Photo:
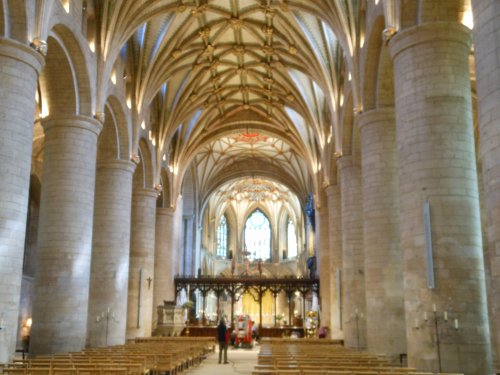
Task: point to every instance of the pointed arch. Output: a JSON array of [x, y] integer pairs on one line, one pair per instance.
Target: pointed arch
[[372, 59], [16, 27], [164, 198], [65, 82], [108, 146], [258, 235], [291, 238], [57, 81], [232, 226], [281, 225], [221, 249], [385, 80], [143, 175], [347, 118], [189, 193], [438, 11], [123, 126]]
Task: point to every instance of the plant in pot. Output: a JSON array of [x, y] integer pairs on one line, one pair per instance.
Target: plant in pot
[[279, 319]]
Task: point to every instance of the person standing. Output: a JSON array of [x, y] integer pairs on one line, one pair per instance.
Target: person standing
[[221, 337]]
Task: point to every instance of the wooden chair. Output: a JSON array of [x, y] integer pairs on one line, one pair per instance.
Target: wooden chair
[[63, 371], [14, 370], [88, 371], [314, 372], [114, 371], [40, 370]]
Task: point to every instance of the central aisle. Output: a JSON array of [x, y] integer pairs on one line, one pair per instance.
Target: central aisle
[[241, 361]]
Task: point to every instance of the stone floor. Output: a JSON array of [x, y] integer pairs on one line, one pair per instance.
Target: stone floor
[[241, 361]]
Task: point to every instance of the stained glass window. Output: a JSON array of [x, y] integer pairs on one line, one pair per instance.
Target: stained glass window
[[291, 239], [258, 236], [222, 238]]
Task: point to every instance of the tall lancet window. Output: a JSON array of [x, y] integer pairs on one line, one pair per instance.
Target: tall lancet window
[[222, 237], [258, 236], [291, 239]]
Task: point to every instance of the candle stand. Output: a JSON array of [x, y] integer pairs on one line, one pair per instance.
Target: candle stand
[[356, 317], [106, 317], [434, 323]]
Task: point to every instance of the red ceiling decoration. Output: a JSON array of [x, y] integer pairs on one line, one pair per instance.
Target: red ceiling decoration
[[250, 137]]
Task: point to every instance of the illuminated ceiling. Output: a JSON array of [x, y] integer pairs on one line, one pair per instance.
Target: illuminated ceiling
[[244, 195], [219, 155], [205, 71]]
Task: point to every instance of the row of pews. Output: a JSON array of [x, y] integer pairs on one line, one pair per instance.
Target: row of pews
[[322, 357], [143, 355]]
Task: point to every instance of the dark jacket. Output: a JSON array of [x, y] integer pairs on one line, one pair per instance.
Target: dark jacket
[[221, 332]]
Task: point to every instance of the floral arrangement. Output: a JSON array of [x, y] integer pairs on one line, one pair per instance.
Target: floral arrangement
[[280, 317], [188, 305]]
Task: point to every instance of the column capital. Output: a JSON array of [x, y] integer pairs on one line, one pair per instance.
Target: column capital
[[121, 164], [21, 52], [347, 161], [332, 190], [433, 32], [72, 121], [165, 211], [146, 192], [376, 115]]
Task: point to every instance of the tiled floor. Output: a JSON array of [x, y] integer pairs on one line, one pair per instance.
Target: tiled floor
[[241, 361]]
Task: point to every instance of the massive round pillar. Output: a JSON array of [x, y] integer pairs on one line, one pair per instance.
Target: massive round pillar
[[487, 51], [19, 68], [61, 288], [166, 254], [141, 270], [110, 253], [353, 281], [323, 249], [335, 242], [437, 167], [385, 327]]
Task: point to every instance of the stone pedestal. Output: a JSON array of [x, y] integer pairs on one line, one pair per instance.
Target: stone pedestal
[[385, 327], [353, 281], [487, 51], [335, 234], [170, 320], [437, 165], [141, 270], [110, 251], [60, 303], [19, 70]]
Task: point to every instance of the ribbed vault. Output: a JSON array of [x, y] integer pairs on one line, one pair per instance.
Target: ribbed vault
[[194, 66]]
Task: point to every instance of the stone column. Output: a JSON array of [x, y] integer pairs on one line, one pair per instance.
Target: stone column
[[385, 326], [353, 281], [141, 271], [335, 241], [323, 253], [187, 240], [61, 292], [19, 68], [110, 253], [487, 50], [437, 165], [166, 255], [178, 233]]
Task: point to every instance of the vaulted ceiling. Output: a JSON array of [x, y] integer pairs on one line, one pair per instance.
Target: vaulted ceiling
[[234, 83]]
